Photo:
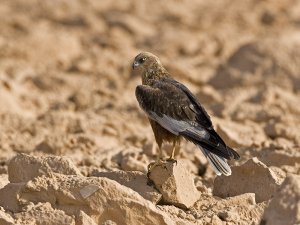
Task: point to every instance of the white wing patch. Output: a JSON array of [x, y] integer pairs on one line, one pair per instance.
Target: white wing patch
[[177, 126]]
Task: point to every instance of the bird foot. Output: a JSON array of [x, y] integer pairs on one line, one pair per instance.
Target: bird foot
[[152, 165], [172, 160]]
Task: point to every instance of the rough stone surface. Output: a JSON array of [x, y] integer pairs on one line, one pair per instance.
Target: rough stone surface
[[23, 168], [284, 208], [238, 135], [100, 198], [242, 208], [251, 177], [5, 218], [66, 89], [281, 157], [3, 180], [9, 196], [175, 184], [43, 213], [84, 219], [135, 180]]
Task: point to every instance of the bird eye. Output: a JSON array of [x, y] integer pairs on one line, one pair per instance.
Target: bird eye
[[142, 60]]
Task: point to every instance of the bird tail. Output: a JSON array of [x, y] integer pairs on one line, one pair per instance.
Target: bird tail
[[218, 163]]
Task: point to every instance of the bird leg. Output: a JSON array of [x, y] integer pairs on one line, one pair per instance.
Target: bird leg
[[172, 157], [159, 160]]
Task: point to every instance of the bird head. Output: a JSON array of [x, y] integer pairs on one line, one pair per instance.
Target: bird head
[[144, 60], [147, 65]]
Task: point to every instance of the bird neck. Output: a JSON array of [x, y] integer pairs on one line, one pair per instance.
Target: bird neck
[[156, 72]]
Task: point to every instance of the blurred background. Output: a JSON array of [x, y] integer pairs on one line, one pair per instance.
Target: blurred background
[[66, 88]]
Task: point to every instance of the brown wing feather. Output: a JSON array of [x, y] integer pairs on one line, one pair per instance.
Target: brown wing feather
[[163, 98]]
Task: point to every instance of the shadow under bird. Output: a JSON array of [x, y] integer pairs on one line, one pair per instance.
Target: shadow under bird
[[174, 112]]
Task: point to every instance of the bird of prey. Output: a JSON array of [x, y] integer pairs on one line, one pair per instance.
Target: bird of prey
[[174, 112]]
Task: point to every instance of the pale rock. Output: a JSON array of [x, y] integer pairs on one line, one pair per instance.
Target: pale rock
[[109, 222], [201, 187], [100, 198], [215, 220], [43, 213], [190, 166], [150, 149], [5, 218], [239, 135], [284, 208], [208, 94], [251, 177], [132, 159], [288, 130], [281, 157], [175, 184], [3, 180], [274, 130], [241, 208], [84, 219], [23, 168], [129, 23], [9, 196], [130, 163], [135, 180], [243, 199], [229, 216]]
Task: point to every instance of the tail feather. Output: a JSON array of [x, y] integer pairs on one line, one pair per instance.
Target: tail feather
[[218, 163], [209, 139], [234, 153]]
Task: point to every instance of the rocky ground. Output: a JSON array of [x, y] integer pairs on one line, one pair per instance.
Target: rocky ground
[[74, 145]]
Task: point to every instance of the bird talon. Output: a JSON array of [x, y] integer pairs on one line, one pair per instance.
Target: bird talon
[[152, 165]]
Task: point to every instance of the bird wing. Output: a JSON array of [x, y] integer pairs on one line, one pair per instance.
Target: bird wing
[[201, 115], [171, 107]]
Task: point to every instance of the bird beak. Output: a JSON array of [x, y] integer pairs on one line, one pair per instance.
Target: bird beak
[[134, 65]]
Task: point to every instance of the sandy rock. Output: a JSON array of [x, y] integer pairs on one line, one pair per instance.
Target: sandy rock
[[281, 157], [243, 199], [130, 163], [208, 95], [129, 23], [5, 218], [66, 89], [23, 168], [239, 135], [285, 130], [251, 177], [178, 215], [109, 222], [132, 159], [242, 208], [3, 180], [201, 186], [175, 183], [43, 213], [240, 67], [284, 208], [83, 219], [9, 196], [135, 180], [100, 198], [215, 220]]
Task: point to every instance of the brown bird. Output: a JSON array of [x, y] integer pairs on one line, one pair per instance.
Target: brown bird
[[174, 112]]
